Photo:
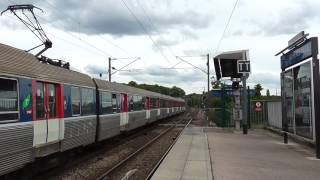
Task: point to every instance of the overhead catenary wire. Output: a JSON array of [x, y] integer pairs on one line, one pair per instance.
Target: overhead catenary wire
[[99, 36], [196, 67], [83, 41], [226, 27], [153, 25], [115, 45], [126, 65], [92, 46], [145, 30], [75, 44]]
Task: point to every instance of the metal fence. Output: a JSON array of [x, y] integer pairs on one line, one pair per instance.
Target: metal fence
[[221, 117], [275, 114], [258, 117], [269, 114]]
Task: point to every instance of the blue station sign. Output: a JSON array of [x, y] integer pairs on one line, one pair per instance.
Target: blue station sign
[[228, 93], [297, 55]]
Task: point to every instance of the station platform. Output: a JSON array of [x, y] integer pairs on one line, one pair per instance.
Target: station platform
[[213, 153]]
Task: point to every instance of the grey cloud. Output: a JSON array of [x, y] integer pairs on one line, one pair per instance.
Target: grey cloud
[[153, 74], [94, 69], [290, 20], [267, 80], [167, 42], [196, 52], [189, 34], [111, 17]]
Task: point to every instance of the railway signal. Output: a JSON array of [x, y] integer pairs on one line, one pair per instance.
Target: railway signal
[[236, 66]]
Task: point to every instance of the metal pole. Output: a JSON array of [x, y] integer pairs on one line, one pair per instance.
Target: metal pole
[[223, 104], [248, 111], [316, 86], [208, 73], [284, 109], [245, 106], [109, 69]]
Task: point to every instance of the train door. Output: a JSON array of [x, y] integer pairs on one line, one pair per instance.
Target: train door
[[124, 117], [47, 126]]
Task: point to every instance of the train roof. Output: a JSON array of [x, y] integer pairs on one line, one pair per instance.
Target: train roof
[[117, 87], [17, 62]]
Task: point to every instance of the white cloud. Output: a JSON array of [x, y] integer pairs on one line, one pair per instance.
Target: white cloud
[[188, 27]]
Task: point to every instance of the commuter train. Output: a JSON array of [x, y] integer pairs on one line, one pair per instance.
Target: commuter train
[[45, 109]]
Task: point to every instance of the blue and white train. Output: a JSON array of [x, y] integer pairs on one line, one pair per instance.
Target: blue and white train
[[46, 110]]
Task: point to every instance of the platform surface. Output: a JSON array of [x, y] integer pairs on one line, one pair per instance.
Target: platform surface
[[260, 155], [188, 159], [207, 153]]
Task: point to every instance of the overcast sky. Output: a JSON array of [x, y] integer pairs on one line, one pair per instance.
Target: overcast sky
[[86, 33]]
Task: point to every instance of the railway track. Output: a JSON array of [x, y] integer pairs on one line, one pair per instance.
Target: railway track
[[94, 163], [142, 163]]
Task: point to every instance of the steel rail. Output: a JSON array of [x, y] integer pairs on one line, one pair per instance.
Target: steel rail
[[105, 175]]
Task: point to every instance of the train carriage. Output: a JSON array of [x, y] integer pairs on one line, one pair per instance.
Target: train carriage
[[110, 109], [45, 109]]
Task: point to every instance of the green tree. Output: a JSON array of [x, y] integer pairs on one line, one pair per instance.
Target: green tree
[[177, 92], [174, 91], [133, 84], [194, 100], [258, 88], [268, 93], [216, 84]]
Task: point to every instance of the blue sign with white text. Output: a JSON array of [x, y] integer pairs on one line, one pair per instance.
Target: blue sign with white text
[[228, 93], [297, 55]]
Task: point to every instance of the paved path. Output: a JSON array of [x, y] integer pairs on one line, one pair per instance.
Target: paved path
[[260, 155]]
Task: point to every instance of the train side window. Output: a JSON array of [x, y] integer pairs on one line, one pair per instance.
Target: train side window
[[138, 103], [87, 101], [162, 103], [8, 100], [52, 100], [75, 100], [114, 103], [118, 103], [130, 100], [40, 105], [143, 102], [154, 103], [106, 103]]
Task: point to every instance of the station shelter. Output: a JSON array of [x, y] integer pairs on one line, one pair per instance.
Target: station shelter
[[300, 87]]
